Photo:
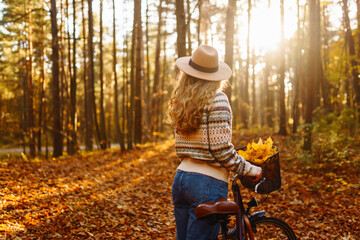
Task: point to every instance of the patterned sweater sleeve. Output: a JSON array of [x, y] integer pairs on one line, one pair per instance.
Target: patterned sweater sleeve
[[219, 124]]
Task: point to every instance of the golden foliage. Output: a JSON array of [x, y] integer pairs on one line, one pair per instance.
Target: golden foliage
[[257, 153]]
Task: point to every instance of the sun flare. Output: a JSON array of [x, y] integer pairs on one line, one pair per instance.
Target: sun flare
[[265, 25]]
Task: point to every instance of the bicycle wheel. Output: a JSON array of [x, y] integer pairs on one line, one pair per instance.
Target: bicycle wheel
[[271, 228]]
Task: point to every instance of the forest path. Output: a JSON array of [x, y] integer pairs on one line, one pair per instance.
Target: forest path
[[102, 195], [113, 195]]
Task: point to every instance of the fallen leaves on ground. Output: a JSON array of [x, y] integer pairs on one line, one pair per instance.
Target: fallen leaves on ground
[[114, 195], [104, 195]]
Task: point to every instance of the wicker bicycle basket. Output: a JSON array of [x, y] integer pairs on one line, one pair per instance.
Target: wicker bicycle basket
[[271, 173]]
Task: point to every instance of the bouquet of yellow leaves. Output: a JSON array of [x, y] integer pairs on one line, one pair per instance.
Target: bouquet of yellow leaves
[[257, 153]]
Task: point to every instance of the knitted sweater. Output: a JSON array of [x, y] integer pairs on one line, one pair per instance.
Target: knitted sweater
[[215, 126]]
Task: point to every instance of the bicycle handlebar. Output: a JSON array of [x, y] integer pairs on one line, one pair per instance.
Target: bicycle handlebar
[[236, 177], [261, 182]]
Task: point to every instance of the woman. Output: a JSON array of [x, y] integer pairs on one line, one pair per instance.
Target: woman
[[201, 116]]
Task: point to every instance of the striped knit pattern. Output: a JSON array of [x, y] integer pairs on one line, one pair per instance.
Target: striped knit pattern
[[215, 126]]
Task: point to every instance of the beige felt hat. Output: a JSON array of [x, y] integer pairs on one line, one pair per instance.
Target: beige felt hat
[[204, 64]]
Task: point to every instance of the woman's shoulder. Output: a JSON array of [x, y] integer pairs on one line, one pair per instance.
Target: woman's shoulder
[[220, 97], [220, 103]]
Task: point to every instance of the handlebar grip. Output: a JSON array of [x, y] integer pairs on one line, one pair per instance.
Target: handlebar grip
[[257, 185]]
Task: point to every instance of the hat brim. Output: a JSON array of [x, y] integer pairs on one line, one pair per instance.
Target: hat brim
[[223, 73]]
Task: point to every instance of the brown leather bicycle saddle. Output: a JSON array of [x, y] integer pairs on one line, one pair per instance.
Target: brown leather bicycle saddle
[[221, 206]]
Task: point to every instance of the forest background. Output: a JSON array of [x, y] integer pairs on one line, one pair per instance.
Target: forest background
[[85, 77], [77, 76]]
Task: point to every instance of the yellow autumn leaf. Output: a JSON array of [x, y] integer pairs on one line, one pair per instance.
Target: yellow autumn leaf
[[258, 152]]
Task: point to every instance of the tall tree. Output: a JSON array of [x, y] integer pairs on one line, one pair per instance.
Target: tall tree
[[254, 102], [91, 74], [147, 95], [358, 26], [163, 80], [282, 122], [42, 113], [73, 139], [317, 84], [102, 112], [269, 91], [229, 42], [313, 69], [125, 97], [130, 117], [325, 88], [88, 108], [57, 129], [304, 68], [69, 127], [296, 89], [139, 77], [199, 22], [63, 76], [352, 55], [155, 93], [245, 89], [188, 27], [30, 95], [180, 28], [119, 135]]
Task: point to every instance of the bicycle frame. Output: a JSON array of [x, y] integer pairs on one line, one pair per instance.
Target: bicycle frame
[[247, 225], [240, 217], [240, 225]]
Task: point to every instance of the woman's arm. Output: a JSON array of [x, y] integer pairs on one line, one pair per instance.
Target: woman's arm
[[219, 123]]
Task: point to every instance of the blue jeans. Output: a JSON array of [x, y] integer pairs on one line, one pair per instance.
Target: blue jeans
[[188, 191]]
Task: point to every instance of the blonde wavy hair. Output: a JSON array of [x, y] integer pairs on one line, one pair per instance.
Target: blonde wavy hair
[[188, 101]]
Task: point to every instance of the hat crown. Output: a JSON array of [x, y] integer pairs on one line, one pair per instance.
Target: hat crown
[[206, 56], [204, 64]]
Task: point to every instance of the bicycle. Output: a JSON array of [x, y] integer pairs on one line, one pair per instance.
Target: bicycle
[[256, 225]]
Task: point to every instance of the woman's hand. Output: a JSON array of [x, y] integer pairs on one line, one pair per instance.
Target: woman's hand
[[254, 173]]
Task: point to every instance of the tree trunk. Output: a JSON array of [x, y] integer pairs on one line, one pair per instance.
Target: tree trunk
[[229, 40], [303, 68], [57, 141], [68, 126], [139, 79], [180, 28], [245, 109], [30, 95], [63, 77], [352, 55], [297, 73], [358, 26], [199, 22], [317, 85], [254, 101], [91, 75], [164, 79], [126, 99], [42, 91], [324, 81], [282, 122], [88, 109], [23, 80], [73, 139], [269, 93], [119, 135], [188, 28], [313, 74], [155, 93], [130, 138], [147, 85], [102, 112]]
